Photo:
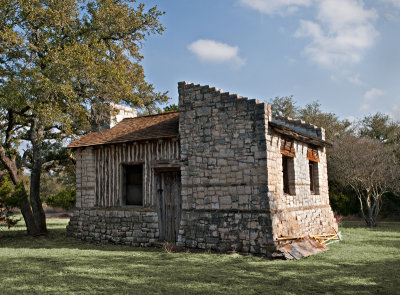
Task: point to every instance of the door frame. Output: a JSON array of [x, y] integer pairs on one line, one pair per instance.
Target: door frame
[[162, 215]]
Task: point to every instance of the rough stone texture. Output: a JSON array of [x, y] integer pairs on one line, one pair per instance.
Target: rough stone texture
[[85, 178], [302, 213], [225, 201], [133, 227], [221, 230], [232, 185]]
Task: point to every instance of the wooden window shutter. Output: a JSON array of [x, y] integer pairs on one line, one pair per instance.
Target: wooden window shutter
[[312, 154], [287, 147]]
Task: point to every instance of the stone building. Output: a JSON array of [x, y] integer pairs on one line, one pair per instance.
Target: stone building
[[222, 174]]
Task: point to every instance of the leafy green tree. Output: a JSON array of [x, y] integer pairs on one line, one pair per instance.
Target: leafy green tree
[[170, 108], [334, 127], [284, 106], [9, 198], [382, 128], [59, 58], [64, 199], [312, 113]]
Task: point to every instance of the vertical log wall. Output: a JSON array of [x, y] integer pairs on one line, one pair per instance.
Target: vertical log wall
[[109, 161], [100, 215]]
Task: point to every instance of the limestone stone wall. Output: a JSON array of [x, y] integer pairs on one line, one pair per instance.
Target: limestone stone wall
[[85, 178], [225, 201], [127, 226], [302, 213]]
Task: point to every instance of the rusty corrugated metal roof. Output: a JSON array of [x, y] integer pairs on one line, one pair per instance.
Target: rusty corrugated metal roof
[[133, 129]]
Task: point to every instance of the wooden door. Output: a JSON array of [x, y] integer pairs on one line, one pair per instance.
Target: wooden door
[[169, 203]]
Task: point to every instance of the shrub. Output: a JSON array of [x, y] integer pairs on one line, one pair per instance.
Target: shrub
[[64, 199], [10, 196], [169, 247]]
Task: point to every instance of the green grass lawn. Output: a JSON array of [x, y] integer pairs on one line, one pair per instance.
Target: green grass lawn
[[365, 262]]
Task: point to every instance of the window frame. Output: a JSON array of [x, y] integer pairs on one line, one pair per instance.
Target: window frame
[[313, 169], [125, 184], [288, 152], [288, 175], [311, 173], [285, 174]]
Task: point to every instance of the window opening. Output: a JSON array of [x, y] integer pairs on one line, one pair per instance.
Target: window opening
[[312, 178], [134, 185], [285, 174], [313, 159], [288, 175], [288, 153]]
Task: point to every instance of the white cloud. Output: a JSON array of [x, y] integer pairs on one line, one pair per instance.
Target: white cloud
[[355, 80], [364, 106], [373, 93], [216, 52], [334, 78], [343, 30], [290, 60], [281, 7], [395, 112], [351, 119], [370, 96], [395, 3], [392, 9]]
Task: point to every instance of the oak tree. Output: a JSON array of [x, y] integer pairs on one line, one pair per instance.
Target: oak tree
[[59, 58]]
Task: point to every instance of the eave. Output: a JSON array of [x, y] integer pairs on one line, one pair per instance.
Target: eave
[[300, 136]]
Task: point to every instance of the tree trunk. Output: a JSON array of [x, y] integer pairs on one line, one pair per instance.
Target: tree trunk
[[26, 211], [36, 134], [35, 200], [367, 213]]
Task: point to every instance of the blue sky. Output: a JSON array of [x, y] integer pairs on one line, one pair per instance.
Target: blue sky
[[343, 53]]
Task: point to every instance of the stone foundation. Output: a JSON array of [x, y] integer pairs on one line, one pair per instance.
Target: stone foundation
[[136, 227], [305, 221], [226, 231]]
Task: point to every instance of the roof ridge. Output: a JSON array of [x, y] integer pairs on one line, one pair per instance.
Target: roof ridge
[[153, 115], [146, 127]]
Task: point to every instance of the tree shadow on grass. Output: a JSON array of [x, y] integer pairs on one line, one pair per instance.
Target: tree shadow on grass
[[382, 226], [352, 224], [203, 274], [58, 239], [56, 264]]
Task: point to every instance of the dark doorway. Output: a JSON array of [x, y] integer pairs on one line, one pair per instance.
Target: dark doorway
[[168, 184], [134, 185]]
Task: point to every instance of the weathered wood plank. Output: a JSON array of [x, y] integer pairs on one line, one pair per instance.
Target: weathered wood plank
[[300, 136], [110, 171]]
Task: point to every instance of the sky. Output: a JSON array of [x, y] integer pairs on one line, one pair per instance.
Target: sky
[[345, 54]]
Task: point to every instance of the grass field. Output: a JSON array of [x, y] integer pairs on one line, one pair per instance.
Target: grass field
[[365, 262]]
